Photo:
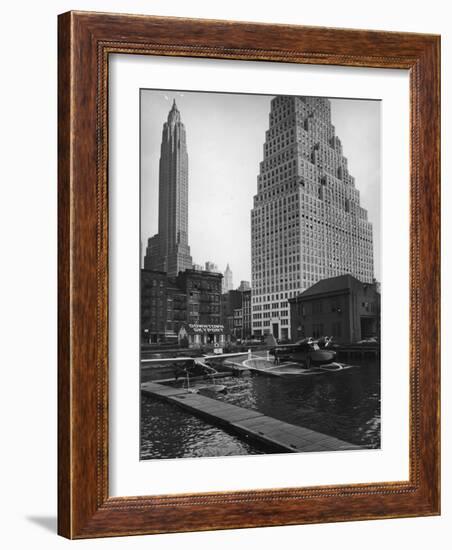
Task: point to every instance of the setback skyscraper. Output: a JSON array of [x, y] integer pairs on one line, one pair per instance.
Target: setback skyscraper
[[307, 223], [168, 251]]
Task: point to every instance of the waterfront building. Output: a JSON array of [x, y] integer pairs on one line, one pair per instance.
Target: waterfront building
[[197, 336], [227, 280], [307, 222], [342, 307], [168, 251], [167, 303]]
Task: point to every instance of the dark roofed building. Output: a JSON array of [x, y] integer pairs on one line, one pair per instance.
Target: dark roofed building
[[342, 307]]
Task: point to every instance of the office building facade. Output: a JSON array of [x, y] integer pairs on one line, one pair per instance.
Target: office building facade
[[307, 223]]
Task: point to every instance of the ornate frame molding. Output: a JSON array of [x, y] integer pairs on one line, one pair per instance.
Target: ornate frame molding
[[85, 42]]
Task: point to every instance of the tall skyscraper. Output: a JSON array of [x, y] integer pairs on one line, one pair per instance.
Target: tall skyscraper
[[227, 280], [306, 223], [168, 251]]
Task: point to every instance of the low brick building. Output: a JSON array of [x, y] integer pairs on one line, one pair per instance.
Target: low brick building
[[203, 295], [167, 303], [163, 307], [342, 307], [195, 335]]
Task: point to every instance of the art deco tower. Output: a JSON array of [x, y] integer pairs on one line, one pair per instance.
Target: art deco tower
[[307, 223], [168, 251]]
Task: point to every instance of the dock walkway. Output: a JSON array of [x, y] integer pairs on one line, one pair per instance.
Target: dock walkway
[[262, 428]]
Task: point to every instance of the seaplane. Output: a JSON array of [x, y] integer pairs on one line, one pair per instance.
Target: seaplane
[[187, 368], [306, 357]]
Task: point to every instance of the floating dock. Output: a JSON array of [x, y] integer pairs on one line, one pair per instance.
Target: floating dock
[[264, 429]]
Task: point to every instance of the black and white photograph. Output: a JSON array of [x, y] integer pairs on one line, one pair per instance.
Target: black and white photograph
[[260, 278], [225, 233]]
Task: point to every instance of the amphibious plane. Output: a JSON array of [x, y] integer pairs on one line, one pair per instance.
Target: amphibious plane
[[186, 367], [312, 355]]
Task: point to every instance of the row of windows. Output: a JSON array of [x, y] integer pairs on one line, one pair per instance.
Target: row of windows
[[266, 323]]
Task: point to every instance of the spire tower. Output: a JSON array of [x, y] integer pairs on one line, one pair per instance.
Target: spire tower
[[168, 251]]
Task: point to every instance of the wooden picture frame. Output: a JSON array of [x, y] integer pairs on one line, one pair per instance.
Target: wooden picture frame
[[85, 42]]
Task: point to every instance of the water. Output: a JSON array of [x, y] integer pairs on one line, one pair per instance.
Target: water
[[345, 405], [169, 432]]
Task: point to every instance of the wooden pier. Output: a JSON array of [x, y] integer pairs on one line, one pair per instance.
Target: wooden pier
[[264, 429]]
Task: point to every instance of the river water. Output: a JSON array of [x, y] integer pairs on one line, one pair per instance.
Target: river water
[[345, 405]]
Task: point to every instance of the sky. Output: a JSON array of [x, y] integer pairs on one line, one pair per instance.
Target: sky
[[225, 138]]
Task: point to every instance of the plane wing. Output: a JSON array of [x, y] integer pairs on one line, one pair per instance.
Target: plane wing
[[175, 359]]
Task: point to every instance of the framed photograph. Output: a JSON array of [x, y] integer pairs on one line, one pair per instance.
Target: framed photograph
[[248, 275]]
